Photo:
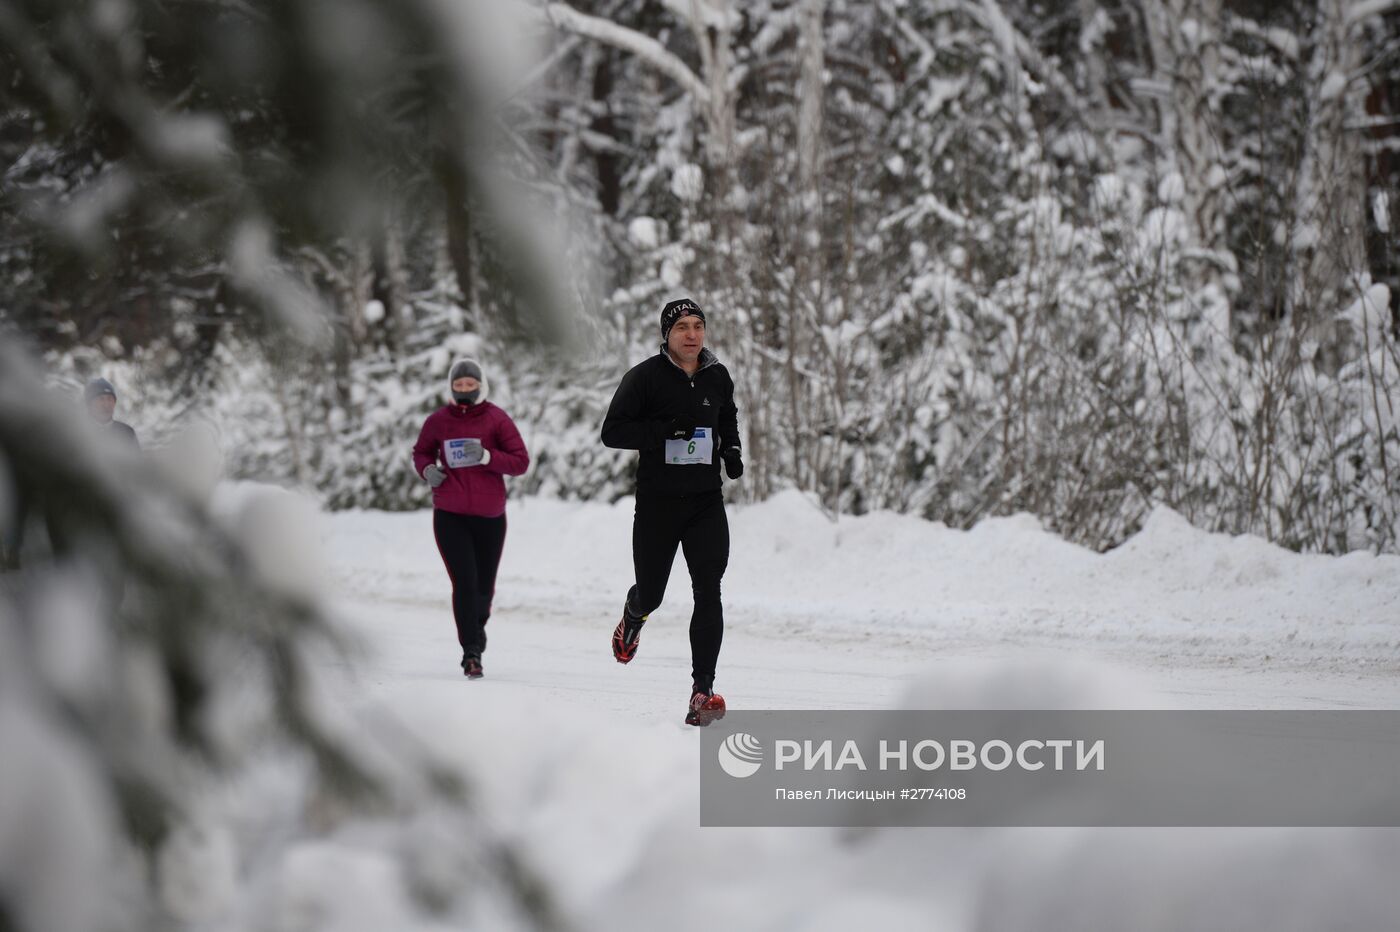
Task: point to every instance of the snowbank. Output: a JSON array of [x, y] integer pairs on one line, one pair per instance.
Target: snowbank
[[1208, 597]]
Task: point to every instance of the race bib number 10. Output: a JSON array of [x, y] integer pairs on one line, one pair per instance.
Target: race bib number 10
[[696, 451], [455, 452]]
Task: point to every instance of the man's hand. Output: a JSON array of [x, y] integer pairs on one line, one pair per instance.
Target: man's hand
[[682, 427], [733, 462], [433, 475]]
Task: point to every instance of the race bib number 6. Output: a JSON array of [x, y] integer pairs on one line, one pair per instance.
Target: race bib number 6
[[455, 452], [696, 451]]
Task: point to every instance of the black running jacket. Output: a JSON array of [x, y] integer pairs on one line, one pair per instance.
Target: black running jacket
[[656, 390]]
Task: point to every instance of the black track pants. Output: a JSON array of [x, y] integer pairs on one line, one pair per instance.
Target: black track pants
[[471, 550], [698, 524]]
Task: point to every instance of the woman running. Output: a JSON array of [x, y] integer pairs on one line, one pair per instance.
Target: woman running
[[464, 451]]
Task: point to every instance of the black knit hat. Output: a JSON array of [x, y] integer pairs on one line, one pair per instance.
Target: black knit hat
[[675, 311]]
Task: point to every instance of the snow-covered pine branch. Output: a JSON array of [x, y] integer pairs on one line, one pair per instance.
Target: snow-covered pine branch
[[565, 17], [1018, 49]]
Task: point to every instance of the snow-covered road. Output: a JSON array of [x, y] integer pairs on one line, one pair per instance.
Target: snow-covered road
[[849, 615], [584, 764]]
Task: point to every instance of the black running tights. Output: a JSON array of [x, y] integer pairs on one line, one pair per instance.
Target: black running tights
[[698, 525], [471, 550]]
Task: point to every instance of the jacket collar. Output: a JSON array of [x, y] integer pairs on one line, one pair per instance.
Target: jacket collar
[[707, 359], [472, 410]]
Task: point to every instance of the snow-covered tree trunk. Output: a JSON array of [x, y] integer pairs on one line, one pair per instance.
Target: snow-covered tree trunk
[[712, 25], [811, 88], [349, 283], [1093, 23], [359, 281], [1184, 37], [392, 285], [461, 251], [1329, 240], [812, 415]]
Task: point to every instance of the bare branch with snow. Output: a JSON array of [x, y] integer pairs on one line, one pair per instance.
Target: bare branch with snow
[[565, 17]]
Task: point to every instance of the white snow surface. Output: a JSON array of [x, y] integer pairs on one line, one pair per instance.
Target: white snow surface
[[585, 766]]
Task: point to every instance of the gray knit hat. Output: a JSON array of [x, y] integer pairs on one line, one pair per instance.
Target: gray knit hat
[[462, 369], [97, 388]]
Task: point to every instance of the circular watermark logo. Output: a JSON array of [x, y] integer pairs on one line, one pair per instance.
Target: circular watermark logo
[[740, 755]]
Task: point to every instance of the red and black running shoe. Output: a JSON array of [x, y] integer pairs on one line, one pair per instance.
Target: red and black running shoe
[[626, 636], [705, 707], [472, 668]]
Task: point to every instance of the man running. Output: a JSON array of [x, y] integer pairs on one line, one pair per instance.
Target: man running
[[677, 410]]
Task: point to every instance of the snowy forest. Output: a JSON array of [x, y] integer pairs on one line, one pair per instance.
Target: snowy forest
[[964, 258]]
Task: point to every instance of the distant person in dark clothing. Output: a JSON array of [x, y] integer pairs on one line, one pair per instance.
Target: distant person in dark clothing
[[101, 399]]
